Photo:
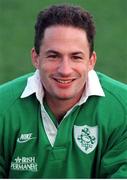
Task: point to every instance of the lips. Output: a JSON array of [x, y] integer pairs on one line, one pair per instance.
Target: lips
[[64, 83]]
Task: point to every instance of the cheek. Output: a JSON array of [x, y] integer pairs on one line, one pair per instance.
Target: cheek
[[83, 69], [84, 73], [46, 70], [47, 67]]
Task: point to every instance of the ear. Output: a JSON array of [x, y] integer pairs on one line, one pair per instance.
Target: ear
[[92, 61], [35, 58]]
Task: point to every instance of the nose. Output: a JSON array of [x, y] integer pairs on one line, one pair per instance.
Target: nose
[[65, 67]]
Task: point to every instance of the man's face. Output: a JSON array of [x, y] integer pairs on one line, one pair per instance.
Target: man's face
[[63, 62]]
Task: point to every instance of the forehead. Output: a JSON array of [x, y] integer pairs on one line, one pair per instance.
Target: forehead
[[65, 37], [60, 31]]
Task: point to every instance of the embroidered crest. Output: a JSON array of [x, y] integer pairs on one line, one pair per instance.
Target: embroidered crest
[[86, 137]]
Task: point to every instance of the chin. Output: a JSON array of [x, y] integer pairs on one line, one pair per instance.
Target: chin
[[65, 97]]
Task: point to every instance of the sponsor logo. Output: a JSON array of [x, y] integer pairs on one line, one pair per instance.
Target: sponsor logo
[[24, 164], [25, 138], [86, 137]]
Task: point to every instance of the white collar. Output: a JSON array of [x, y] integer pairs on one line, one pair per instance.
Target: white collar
[[93, 87], [34, 86]]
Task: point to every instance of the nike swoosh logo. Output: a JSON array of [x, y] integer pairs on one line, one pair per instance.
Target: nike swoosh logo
[[24, 140]]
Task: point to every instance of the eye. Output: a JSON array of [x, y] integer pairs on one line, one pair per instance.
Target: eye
[[53, 56], [76, 58]]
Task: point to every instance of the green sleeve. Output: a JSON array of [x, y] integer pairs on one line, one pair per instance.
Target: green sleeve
[[114, 160], [5, 147], [2, 166], [2, 155]]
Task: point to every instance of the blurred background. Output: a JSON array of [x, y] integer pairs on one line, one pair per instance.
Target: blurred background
[[17, 19]]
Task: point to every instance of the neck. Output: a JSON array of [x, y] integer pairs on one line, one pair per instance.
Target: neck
[[60, 107]]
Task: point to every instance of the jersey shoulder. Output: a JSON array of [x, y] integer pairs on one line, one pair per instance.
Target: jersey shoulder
[[113, 88], [11, 91], [112, 107], [115, 91]]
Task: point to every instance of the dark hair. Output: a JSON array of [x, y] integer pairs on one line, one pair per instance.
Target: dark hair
[[64, 15]]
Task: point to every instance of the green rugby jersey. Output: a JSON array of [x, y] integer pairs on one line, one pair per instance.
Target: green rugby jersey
[[91, 141]]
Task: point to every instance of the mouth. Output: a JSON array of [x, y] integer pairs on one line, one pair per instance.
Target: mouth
[[64, 81]]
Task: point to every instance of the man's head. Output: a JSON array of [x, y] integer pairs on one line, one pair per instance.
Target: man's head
[[67, 16], [63, 52]]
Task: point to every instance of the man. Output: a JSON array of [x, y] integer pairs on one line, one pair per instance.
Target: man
[[65, 120]]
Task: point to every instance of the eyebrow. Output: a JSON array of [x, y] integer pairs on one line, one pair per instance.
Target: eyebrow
[[52, 52], [77, 53], [72, 53]]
